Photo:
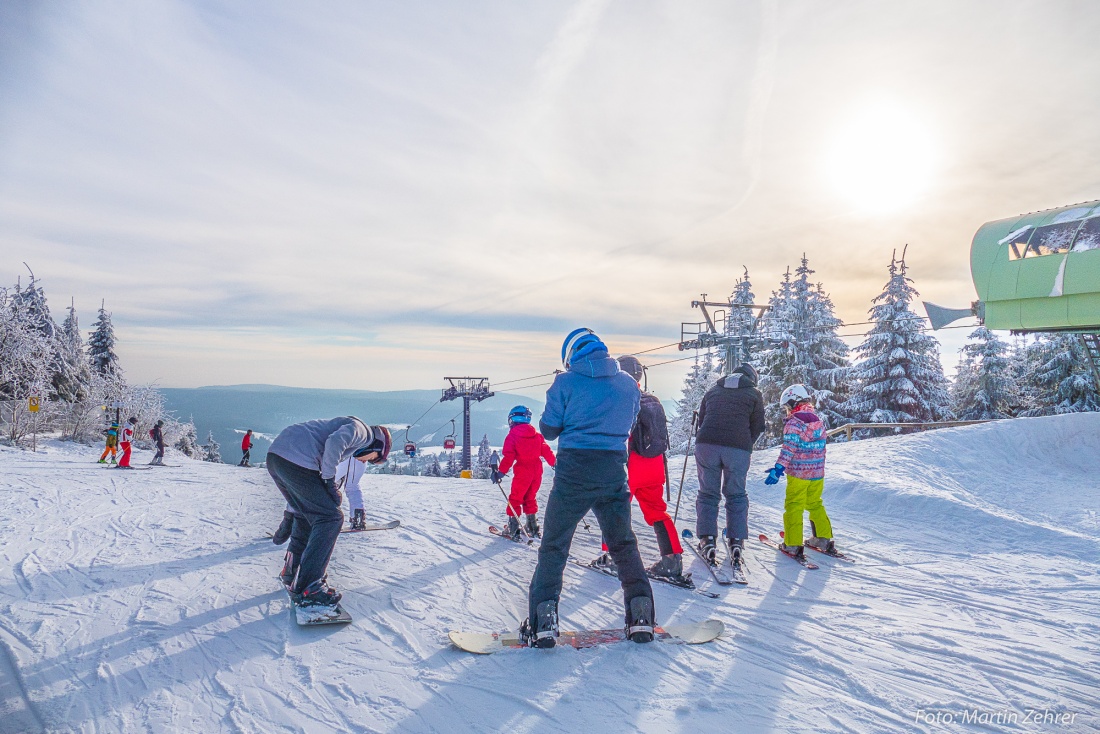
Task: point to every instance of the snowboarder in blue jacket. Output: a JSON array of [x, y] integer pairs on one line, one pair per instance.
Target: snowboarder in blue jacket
[[590, 409]]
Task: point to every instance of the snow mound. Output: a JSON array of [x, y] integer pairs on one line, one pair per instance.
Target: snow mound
[[146, 601]]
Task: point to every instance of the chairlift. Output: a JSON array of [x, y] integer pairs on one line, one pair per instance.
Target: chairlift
[[410, 449], [449, 441]]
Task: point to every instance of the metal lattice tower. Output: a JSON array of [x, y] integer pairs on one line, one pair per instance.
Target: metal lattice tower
[[735, 347], [467, 388]]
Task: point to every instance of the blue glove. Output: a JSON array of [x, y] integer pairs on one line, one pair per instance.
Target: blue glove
[[773, 474], [496, 476]]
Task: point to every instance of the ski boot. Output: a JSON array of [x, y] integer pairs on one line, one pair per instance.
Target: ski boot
[[669, 567], [736, 548], [102, 461], [513, 528], [533, 528], [358, 520], [796, 551], [544, 634], [606, 562], [639, 619], [290, 570], [318, 594], [707, 549], [282, 533], [825, 545]]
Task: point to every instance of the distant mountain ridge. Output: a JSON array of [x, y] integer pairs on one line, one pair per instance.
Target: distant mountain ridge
[[229, 410]]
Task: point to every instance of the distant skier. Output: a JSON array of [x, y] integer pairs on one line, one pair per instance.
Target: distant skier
[[112, 444], [731, 418], [646, 476], [348, 474], [246, 448], [590, 409], [525, 448], [802, 459], [157, 434], [302, 461], [126, 442]]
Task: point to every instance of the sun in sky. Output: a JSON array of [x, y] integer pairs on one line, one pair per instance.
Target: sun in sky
[[881, 158]]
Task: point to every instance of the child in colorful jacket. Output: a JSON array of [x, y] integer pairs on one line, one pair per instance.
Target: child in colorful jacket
[[802, 458], [112, 444], [525, 448]]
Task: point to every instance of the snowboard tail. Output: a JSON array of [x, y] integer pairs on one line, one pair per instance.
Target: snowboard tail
[[381, 526], [485, 643]]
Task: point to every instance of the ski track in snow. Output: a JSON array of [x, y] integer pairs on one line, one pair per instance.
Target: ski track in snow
[[146, 601]]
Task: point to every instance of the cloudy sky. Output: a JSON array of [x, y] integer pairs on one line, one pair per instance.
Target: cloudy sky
[[375, 195]]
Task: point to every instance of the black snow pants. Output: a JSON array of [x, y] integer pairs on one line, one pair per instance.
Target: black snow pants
[[317, 517]]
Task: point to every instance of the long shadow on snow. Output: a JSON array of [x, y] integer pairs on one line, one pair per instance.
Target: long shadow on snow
[[103, 577], [210, 654]]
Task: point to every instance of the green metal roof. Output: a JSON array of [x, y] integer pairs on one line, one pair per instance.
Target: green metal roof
[[1040, 271]]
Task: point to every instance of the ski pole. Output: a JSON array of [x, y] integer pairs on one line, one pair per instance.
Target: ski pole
[[494, 468], [683, 474]]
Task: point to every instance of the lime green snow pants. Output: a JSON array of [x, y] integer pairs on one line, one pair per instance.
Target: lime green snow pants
[[804, 495]]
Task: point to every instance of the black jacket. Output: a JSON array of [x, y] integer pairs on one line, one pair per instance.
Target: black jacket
[[731, 413]]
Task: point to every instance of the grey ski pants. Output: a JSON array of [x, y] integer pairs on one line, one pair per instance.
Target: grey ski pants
[[722, 471], [317, 517]]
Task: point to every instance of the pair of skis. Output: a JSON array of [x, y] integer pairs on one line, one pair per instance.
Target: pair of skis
[[728, 573], [802, 559]]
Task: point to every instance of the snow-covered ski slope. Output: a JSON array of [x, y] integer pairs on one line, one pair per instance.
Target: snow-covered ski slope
[[146, 601]]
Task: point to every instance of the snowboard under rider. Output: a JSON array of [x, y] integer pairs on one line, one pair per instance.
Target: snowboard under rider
[[731, 418], [802, 460], [112, 444], [646, 476], [302, 462], [524, 450], [590, 409]]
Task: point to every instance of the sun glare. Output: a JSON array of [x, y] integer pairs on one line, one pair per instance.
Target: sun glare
[[881, 159]]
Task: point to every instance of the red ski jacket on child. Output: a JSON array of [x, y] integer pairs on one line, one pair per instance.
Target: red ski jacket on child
[[524, 446]]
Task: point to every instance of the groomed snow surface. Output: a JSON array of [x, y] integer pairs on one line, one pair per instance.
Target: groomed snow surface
[[146, 601]]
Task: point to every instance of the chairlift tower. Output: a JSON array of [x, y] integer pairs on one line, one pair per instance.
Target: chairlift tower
[[713, 331], [467, 388]]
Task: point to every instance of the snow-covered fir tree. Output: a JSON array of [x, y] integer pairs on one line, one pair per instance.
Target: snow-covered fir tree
[[484, 454], [435, 470], [984, 388], [1060, 375], [739, 323], [802, 325], [899, 378], [101, 345], [700, 378], [212, 450], [73, 376], [452, 469]]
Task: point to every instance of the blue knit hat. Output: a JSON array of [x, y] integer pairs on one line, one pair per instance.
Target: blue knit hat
[[579, 343]]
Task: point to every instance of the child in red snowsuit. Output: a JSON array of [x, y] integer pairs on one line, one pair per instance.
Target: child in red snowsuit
[[525, 448]]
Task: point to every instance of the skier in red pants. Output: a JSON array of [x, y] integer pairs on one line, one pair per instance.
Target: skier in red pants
[[526, 448], [126, 443], [646, 476]]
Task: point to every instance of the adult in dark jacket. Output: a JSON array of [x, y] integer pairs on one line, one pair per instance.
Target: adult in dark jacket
[[157, 434], [302, 461], [590, 409], [731, 418]]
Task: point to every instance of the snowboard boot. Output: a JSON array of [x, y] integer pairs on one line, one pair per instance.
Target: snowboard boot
[[290, 570], [513, 528], [319, 594], [358, 520], [669, 567], [606, 562], [795, 550], [545, 631], [707, 549], [533, 528], [826, 545], [639, 620], [282, 533]]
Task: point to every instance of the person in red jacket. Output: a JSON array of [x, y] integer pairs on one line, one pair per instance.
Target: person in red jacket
[[525, 448], [646, 476], [246, 448], [126, 442]]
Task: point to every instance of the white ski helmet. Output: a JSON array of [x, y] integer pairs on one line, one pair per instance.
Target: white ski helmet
[[794, 396]]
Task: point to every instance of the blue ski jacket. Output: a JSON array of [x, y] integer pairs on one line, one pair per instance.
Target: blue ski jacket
[[592, 405]]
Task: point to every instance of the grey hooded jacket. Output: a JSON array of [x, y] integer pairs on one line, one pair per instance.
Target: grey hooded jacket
[[322, 444]]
